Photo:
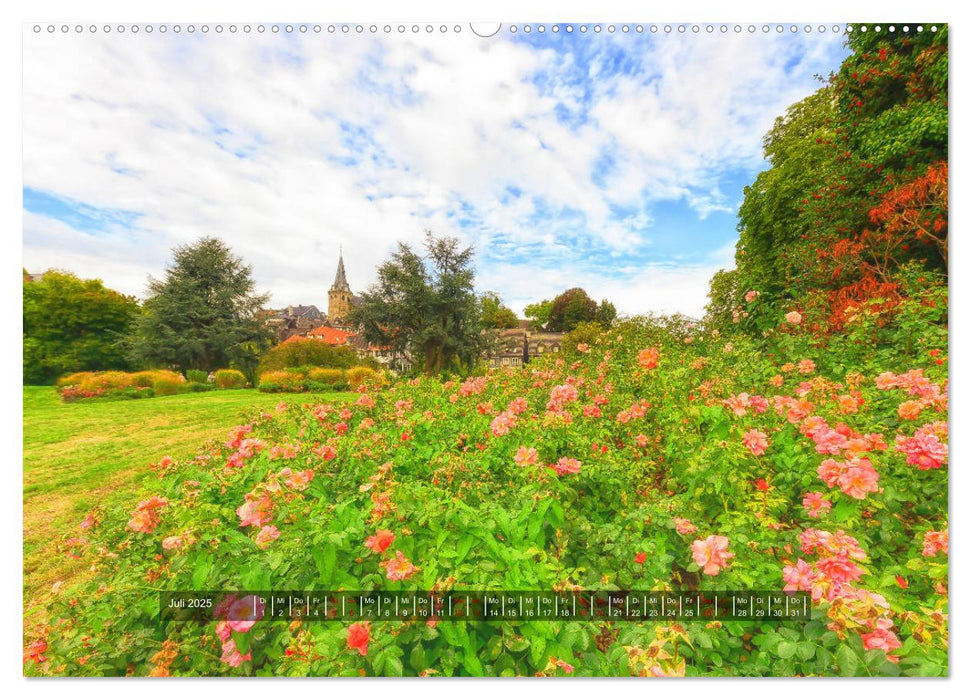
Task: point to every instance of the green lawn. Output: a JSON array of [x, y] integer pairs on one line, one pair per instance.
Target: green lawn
[[80, 454]]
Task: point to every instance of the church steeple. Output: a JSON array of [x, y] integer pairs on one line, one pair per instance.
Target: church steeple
[[340, 295], [340, 281]]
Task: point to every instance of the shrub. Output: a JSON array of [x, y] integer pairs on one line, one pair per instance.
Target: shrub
[[106, 381], [298, 352], [74, 379], [283, 380], [143, 379], [586, 334], [565, 469], [167, 387], [325, 375], [230, 379], [134, 392], [196, 387], [356, 376], [86, 385], [197, 375]]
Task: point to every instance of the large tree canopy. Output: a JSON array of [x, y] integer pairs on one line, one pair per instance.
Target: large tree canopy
[[857, 187], [539, 313], [203, 315], [73, 325], [574, 307], [495, 314], [425, 307]]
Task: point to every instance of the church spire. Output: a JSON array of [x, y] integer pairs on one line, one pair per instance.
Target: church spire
[[340, 281]]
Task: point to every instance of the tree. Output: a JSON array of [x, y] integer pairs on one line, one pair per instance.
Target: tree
[[857, 187], [570, 308], [425, 307], [73, 325], [539, 313], [495, 314], [606, 313], [303, 352], [585, 333], [724, 300], [203, 315]]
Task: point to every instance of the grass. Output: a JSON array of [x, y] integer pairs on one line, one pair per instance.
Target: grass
[[81, 454]]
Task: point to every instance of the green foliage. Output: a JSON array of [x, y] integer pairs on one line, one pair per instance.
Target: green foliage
[[73, 325], [771, 219], [724, 300], [230, 379], [319, 379], [539, 313], [606, 313], [326, 376], [197, 375], [425, 306], [198, 387], [494, 314], [574, 307], [666, 443], [301, 352], [203, 315], [586, 334], [569, 309], [813, 226]]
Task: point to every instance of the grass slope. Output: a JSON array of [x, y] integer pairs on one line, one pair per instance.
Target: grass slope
[[81, 454]]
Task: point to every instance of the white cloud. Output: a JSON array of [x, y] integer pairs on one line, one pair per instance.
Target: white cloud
[[153, 124]]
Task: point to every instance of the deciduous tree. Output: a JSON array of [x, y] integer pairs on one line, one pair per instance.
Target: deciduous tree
[[73, 325]]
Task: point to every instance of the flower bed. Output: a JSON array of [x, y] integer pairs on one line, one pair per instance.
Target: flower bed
[[661, 458], [136, 385], [319, 379]]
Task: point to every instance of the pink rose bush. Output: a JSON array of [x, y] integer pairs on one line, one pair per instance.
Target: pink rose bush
[[786, 461], [711, 554]]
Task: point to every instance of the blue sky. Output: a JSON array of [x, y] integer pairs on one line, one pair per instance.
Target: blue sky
[[615, 162]]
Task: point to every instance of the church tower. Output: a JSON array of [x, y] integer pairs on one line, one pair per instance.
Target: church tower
[[339, 297]]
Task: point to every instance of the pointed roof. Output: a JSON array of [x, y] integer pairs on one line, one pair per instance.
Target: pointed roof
[[340, 280]]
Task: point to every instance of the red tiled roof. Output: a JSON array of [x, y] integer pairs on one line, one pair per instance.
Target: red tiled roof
[[331, 336]]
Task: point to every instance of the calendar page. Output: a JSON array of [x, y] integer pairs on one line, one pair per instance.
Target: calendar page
[[425, 348]]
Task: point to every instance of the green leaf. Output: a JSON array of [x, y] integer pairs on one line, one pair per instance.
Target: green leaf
[[847, 661], [201, 570], [843, 511], [516, 643], [393, 667], [806, 650], [536, 649], [470, 662], [462, 548], [786, 650], [325, 557], [417, 658]]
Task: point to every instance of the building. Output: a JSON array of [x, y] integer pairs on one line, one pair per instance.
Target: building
[[340, 298], [292, 321], [331, 335], [511, 347], [514, 347]]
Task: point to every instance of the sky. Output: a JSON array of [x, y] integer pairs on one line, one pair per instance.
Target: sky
[[610, 161]]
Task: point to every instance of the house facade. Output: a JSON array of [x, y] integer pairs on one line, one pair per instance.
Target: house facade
[[515, 347]]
